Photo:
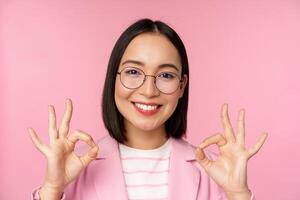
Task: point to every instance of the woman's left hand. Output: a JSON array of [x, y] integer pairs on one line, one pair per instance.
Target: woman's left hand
[[229, 170]]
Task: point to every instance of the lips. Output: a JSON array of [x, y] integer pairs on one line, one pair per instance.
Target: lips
[[146, 108]]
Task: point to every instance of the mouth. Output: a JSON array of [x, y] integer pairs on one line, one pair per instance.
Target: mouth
[[146, 108]]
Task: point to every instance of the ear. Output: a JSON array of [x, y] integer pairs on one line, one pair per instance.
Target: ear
[[183, 84]]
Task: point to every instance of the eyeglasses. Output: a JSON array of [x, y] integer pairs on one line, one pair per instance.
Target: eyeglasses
[[133, 78]]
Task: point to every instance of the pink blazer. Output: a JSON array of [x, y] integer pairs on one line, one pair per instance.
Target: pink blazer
[[103, 178]]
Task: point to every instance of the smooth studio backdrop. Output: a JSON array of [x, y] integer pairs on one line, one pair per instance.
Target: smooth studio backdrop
[[244, 53]]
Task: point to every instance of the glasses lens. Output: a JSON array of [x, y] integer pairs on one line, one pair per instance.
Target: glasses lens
[[167, 82], [132, 77]]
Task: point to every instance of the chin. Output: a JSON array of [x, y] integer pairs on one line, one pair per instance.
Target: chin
[[147, 126]]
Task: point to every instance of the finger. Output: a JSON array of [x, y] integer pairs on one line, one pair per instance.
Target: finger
[[36, 141], [253, 150], [89, 156], [217, 139], [52, 123], [240, 136], [80, 135], [202, 159], [65, 124], [228, 131]]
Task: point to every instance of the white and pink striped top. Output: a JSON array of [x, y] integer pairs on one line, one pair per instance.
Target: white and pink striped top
[[146, 172]]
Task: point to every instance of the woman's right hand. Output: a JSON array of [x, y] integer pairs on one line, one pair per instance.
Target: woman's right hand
[[63, 164]]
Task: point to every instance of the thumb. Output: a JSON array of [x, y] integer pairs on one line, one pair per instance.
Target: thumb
[[202, 158], [90, 156]]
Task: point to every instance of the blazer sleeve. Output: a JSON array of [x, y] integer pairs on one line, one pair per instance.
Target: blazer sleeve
[[36, 196]]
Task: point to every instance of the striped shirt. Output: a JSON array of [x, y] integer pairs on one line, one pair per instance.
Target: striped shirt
[[146, 172]]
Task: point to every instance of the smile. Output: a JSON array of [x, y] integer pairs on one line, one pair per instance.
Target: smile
[[146, 109]]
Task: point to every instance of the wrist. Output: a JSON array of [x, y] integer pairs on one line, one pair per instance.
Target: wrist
[[239, 195], [50, 193]]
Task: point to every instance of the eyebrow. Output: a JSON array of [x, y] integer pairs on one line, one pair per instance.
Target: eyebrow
[[159, 66]]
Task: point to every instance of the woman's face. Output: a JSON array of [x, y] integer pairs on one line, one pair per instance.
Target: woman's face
[[150, 51]]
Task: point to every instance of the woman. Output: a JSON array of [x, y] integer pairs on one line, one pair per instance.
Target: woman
[[145, 101]]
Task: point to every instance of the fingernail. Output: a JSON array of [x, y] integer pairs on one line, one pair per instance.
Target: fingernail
[[266, 134], [199, 154]]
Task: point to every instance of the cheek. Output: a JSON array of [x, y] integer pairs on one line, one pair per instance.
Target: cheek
[[172, 102], [121, 93]]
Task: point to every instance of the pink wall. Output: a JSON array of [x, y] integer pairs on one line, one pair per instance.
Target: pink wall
[[245, 53]]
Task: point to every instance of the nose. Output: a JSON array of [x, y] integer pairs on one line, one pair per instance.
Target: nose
[[148, 88]]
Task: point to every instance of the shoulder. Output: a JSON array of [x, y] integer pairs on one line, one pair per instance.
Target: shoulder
[[184, 145], [105, 140], [105, 143]]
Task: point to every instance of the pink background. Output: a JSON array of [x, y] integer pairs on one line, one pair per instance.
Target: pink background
[[245, 53]]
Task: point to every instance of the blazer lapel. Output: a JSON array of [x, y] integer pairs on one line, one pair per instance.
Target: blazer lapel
[[109, 180], [184, 177]]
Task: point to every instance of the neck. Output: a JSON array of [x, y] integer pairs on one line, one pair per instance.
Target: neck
[[141, 139]]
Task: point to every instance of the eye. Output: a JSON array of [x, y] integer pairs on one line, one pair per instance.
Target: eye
[[132, 71], [167, 75]]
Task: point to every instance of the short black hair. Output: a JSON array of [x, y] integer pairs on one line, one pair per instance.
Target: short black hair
[[176, 125]]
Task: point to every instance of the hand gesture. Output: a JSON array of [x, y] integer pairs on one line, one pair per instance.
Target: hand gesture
[[229, 170], [63, 164]]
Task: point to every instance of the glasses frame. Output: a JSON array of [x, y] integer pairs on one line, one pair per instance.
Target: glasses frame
[[145, 77]]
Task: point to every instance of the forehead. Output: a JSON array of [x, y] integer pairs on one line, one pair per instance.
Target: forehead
[[152, 49]]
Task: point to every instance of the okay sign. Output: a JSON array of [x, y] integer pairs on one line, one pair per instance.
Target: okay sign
[[229, 170], [63, 164]]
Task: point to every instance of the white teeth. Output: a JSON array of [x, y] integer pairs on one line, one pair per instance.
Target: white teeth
[[145, 107]]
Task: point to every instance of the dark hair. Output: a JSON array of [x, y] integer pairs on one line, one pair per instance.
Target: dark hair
[[113, 120]]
